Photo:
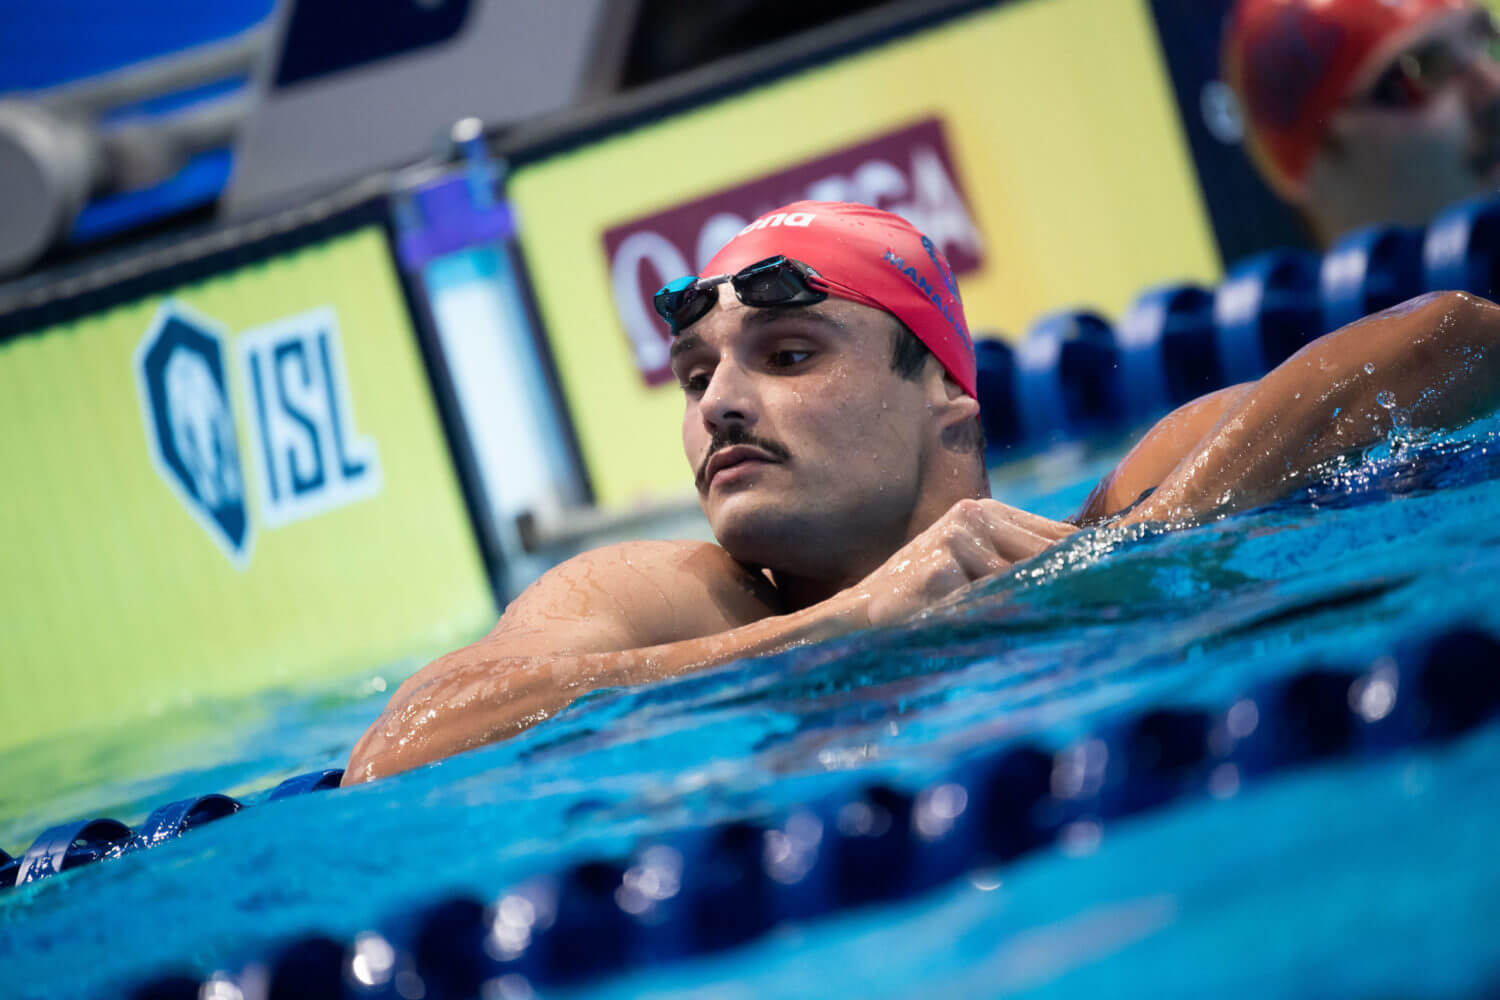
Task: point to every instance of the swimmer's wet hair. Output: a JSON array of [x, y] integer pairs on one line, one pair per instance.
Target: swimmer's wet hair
[[908, 354], [908, 357]]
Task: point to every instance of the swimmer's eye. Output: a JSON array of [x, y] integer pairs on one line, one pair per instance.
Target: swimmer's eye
[[694, 385], [789, 358]]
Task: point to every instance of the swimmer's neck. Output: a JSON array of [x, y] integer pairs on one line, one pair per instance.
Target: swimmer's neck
[[801, 583], [799, 592]]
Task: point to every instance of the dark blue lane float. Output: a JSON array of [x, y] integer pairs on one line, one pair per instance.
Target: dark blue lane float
[[702, 890], [1266, 309], [995, 383], [312, 781], [176, 818], [1369, 270], [1462, 249], [1067, 382], [1168, 350], [82, 842], [72, 845]]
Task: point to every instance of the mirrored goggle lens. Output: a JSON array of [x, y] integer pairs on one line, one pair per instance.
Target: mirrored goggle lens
[[776, 281], [668, 298], [683, 302]]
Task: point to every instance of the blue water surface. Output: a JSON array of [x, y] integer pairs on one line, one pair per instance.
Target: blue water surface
[[1372, 876]]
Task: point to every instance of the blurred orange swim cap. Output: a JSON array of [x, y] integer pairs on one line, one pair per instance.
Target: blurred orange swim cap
[[1292, 62]]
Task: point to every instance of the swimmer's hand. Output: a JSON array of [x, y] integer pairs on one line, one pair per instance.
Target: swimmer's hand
[[975, 539]]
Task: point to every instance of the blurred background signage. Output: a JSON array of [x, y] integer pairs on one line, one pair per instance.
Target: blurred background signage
[[222, 477]]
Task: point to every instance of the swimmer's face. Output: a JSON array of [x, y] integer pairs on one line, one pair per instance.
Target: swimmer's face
[[805, 446], [1422, 128]]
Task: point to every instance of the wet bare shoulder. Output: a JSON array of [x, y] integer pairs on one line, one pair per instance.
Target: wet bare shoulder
[[634, 594]]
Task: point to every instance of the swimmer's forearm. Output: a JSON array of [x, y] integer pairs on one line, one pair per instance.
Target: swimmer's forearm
[[1157, 453], [481, 694], [1437, 363]]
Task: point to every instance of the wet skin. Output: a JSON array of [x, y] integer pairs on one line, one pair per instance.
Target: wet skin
[[857, 510]]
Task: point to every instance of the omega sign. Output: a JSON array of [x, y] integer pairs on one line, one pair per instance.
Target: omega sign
[[908, 172]]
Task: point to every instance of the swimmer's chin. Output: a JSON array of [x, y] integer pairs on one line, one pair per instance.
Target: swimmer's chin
[[760, 541]]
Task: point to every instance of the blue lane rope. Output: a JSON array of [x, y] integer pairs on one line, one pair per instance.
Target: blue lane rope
[[174, 819], [706, 889], [72, 845], [82, 842], [313, 781], [1074, 374]]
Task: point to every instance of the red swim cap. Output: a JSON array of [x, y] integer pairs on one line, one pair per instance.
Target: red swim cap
[[1293, 62], [870, 257]]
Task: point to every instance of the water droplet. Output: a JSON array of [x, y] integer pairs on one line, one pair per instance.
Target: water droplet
[[1369, 368], [1386, 398]]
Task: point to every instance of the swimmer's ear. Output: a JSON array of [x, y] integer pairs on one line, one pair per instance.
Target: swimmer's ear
[[949, 401]]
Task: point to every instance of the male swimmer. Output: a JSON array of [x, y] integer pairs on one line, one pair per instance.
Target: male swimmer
[[1368, 111], [831, 423]]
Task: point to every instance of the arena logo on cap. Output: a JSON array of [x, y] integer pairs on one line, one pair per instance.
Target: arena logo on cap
[[908, 171], [298, 420], [780, 219]]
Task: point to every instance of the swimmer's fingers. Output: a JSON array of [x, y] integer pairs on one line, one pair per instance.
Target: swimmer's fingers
[[1008, 536], [1016, 544], [1034, 523], [976, 556]]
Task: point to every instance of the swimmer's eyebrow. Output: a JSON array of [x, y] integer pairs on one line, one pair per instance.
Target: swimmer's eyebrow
[[682, 344], [775, 314], [754, 319]]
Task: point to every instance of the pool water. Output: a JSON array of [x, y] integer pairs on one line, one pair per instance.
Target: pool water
[[1370, 876]]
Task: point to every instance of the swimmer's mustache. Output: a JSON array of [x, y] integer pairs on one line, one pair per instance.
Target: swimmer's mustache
[[734, 434]]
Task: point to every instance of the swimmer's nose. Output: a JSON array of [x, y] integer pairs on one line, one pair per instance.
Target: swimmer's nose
[[729, 398]]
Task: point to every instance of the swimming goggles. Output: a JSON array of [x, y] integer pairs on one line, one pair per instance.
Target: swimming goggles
[[1415, 75], [775, 281]]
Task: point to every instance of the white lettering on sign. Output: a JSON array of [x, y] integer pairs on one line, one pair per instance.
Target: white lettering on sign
[[309, 456], [641, 321]]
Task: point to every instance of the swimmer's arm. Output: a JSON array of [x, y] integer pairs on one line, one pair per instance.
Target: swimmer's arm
[[625, 615], [1437, 356], [1157, 453], [645, 611]]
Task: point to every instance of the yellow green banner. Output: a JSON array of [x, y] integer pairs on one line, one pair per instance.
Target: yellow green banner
[[243, 482]]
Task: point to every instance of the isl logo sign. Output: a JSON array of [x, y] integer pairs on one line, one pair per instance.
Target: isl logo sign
[[297, 414]]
